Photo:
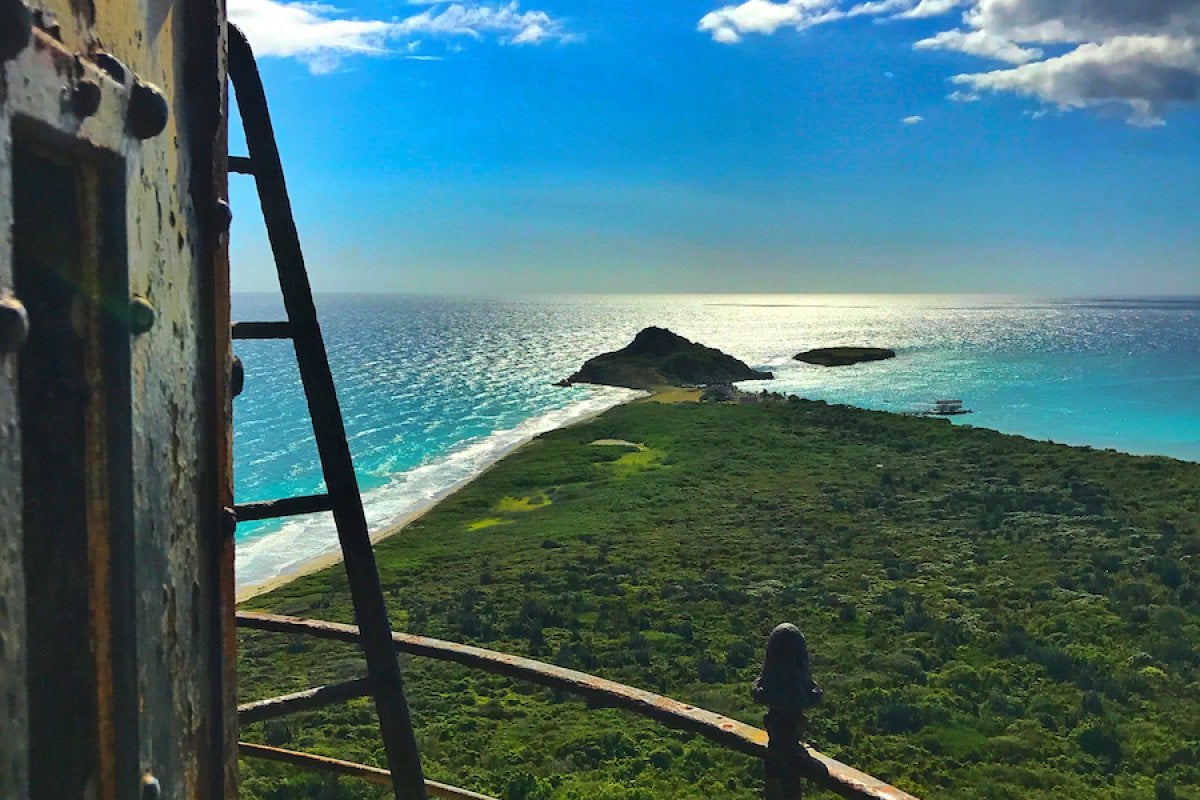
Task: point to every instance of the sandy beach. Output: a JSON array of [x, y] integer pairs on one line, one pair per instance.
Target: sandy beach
[[333, 555], [328, 559]]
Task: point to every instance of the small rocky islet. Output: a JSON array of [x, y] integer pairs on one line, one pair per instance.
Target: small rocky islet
[[844, 356], [658, 357]]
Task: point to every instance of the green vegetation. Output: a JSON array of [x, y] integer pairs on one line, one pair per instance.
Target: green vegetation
[[487, 522], [989, 617], [518, 505]]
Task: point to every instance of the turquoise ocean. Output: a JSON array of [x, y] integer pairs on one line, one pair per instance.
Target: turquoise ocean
[[436, 389]]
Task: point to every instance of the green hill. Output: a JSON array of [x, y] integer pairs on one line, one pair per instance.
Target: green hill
[[657, 357], [989, 616]]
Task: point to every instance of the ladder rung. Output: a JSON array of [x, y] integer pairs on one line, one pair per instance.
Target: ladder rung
[[286, 507], [262, 330], [241, 165]]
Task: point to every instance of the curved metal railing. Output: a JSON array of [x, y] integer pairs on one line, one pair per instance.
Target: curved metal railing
[[784, 763]]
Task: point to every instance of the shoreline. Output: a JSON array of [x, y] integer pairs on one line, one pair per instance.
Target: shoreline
[[332, 556]]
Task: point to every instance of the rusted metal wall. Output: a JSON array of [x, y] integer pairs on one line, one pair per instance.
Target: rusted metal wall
[[90, 86]]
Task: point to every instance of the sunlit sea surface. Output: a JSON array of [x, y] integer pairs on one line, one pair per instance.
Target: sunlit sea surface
[[435, 389]]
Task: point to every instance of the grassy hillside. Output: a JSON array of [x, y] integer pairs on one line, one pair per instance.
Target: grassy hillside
[[990, 617]]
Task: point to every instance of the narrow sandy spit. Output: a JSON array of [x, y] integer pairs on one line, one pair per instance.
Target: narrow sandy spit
[[328, 559]]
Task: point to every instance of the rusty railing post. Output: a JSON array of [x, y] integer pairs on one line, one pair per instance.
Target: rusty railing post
[[786, 688]]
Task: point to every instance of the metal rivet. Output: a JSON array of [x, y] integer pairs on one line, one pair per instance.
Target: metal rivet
[[85, 98], [16, 28], [237, 377], [223, 215], [14, 324], [141, 315], [151, 788], [111, 65], [148, 110]]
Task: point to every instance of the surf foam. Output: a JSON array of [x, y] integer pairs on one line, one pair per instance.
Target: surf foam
[[270, 555]]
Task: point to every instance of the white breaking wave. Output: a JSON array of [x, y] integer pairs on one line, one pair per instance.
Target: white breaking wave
[[270, 555]]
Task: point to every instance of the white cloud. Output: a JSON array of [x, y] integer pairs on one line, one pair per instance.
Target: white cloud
[[980, 43], [1140, 54], [915, 119], [508, 22], [878, 7], [1084, 20], [320, 35], [1144, 73], [729, 24], [305, 29], [932, 8]]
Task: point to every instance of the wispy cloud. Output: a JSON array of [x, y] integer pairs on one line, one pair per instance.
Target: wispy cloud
[[959, 96], [1143, 56], [322, 35], [915, 119], [980, 43]]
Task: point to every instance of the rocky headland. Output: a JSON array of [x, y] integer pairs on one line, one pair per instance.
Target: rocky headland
[[843, 356], [658, 357]]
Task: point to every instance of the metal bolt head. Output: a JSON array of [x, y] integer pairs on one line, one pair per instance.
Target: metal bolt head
[[141, 315], [223, 215], [14, 324], [111, 65], [148, 111], [151, 788], [16, 28], [237, 377], [85, 98]]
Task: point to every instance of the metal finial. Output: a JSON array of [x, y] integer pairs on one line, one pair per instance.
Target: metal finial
[[786, 688], [786, 681]]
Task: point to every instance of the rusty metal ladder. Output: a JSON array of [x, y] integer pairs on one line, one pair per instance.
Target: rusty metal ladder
[[342, 496]]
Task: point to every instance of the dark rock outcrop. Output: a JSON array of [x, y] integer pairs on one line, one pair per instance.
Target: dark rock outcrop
[[657, 357], [842, 356]]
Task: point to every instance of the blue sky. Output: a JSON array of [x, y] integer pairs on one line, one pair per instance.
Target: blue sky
[[1047, 147]]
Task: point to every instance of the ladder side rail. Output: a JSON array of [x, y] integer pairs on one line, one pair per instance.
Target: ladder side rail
[[341, 483]]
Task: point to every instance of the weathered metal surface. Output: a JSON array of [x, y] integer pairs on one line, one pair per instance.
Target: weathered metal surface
[[161, 689], [68, 403], [370, 608], [205, 81], [787, 688], [307, 700], [338, 767], [14, 733], [285, 507], [820, 769]]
